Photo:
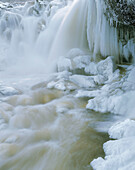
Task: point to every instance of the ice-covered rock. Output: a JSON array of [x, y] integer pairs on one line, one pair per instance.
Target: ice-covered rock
[[102, 71], [91, 68], [106, 67], [64, 64], [80, 62], [120, 154], [74, 53], [8, 91], [117, 95], [122, 129], [74, 59], [58, 85], [89, 94], [82, 81], [118, 103]]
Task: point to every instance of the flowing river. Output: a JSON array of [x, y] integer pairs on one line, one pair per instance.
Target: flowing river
[[48, 129]]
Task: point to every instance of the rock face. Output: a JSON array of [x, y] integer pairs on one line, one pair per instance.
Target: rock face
[[121, 15], [123, 11], [109, 31]]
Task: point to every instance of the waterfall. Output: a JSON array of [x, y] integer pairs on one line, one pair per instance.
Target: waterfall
[[41, 33], [72, 31]]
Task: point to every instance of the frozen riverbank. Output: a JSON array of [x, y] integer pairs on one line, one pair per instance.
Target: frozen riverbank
[[112, 90]]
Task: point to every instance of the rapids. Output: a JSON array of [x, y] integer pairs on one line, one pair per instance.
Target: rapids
[[48, 129]]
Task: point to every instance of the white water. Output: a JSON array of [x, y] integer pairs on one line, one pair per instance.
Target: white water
[[55, 30], [44, 123]]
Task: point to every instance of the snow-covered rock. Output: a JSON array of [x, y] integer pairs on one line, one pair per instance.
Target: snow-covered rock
[[8, 91], [106, 67], [122, 129], [64, 64], [116, 102], [120, 154], [83, 81]]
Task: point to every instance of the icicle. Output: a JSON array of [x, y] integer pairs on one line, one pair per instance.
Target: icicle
[[103, 37]]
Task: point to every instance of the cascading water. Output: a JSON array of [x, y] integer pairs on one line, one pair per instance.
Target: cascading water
[[44, 123], [46, 37], [73, 25]]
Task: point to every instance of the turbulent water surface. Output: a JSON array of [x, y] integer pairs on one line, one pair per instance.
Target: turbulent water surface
[[48, 129]]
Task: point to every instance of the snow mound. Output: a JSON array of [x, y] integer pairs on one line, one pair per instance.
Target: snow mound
[[120, 154]]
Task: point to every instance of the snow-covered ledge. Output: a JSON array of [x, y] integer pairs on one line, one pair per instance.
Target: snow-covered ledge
[[120, 153]]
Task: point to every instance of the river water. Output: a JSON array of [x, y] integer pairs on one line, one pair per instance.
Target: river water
[[48, 129]]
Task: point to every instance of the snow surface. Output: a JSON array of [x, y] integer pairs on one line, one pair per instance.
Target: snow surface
[[120, 153]]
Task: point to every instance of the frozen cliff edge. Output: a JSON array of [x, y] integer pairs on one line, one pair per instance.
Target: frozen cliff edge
[[110, 31]]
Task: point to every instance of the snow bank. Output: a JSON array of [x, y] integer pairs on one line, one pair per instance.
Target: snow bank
[[110, 88], [116, 97], [120, 154]]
